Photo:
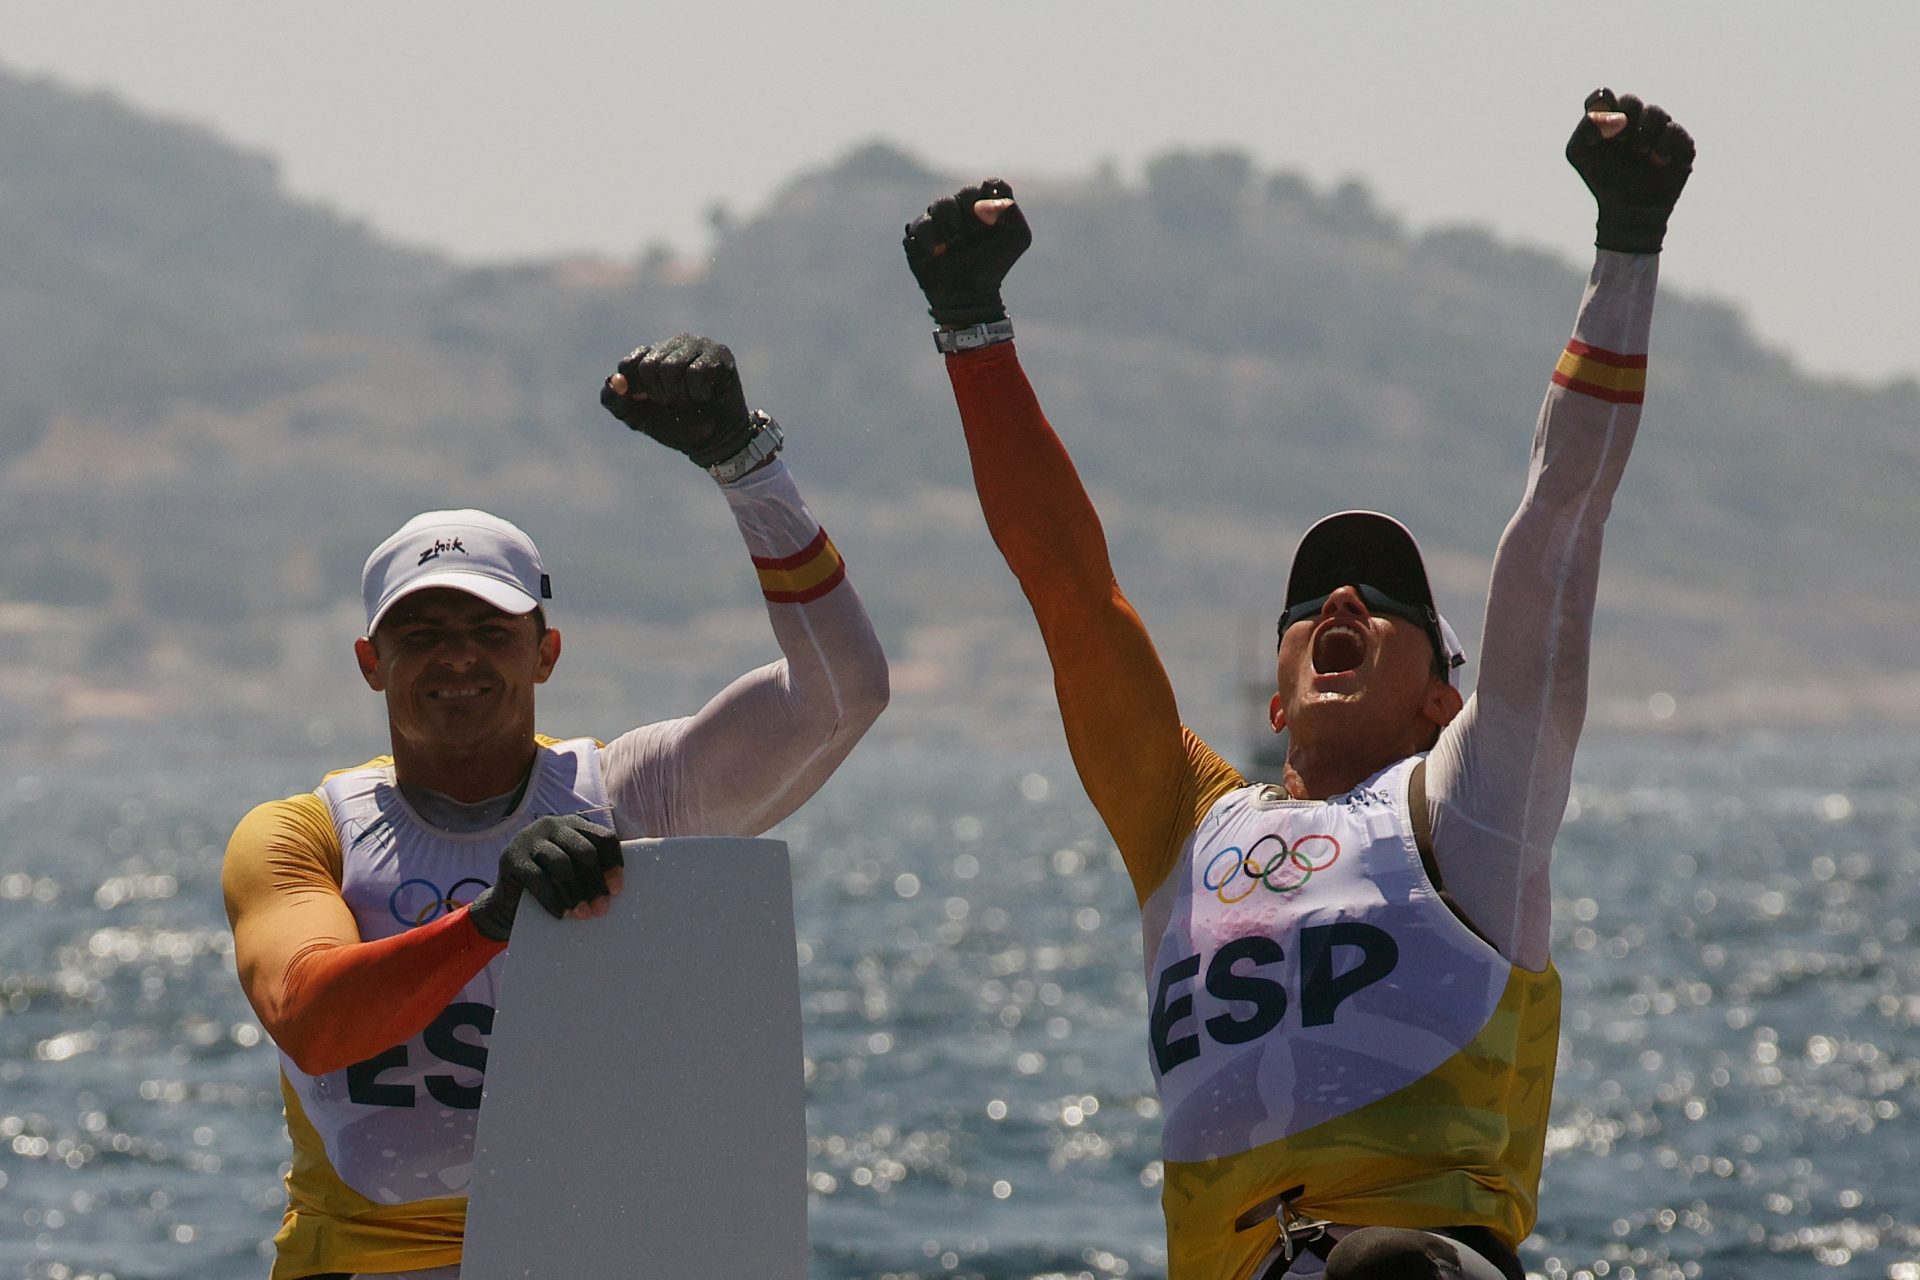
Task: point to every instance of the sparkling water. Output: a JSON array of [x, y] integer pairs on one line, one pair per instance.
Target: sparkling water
[[1738, 1081]]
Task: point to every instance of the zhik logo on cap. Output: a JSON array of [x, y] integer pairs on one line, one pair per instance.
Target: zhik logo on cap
[[440, 545]]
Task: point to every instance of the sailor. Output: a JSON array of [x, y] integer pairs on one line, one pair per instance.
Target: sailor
[[1353, 1013], [371, 915]]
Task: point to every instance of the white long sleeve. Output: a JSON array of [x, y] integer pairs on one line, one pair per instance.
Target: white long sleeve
[[1497, 780], [767, 741]]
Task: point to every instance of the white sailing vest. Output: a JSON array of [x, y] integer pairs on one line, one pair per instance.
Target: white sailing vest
[[399, 1127], [1307, 967]]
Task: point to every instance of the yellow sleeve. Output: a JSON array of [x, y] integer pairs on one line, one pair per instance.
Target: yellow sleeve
[[281, 881]]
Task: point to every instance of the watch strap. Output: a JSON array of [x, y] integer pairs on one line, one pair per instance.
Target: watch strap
[[765, 441], [973, 337]]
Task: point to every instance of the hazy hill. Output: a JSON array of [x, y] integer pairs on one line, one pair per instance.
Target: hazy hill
[[214, 400]]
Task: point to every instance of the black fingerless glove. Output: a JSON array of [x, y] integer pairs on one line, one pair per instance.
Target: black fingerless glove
[[1636, 175], [960, 260], [562, 861], [686, 394]]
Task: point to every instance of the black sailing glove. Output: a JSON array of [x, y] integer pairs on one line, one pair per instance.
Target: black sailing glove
[[686, 394], [960, 259], [1636, 175], [562, 861]]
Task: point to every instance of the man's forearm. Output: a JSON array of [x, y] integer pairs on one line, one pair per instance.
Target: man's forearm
[[1035, 505], [337, 1005], [1547, 566], [768, 741], [835, 682]]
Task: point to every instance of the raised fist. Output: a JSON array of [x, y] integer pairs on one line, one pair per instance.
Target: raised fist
[[1635, 160], [686, 394], [962, 248]]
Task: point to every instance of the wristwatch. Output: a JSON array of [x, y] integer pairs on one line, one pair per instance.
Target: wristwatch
[[973, 337], [761, 445]]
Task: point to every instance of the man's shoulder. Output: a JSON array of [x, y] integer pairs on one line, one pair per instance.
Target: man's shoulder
[[295, 830], [553, 743], [304, 810], [378, 762]]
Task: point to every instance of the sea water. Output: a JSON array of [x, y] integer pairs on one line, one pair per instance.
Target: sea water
[[1738, 1086]]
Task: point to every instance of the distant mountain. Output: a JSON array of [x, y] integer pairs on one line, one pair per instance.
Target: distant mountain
[[146, 259], [214, 399]]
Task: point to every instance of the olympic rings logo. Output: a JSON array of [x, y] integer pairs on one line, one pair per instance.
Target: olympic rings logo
[[415, 902], [1285, 869]]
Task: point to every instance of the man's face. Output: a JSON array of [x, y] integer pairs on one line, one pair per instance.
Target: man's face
[[458, 674], [1361, 676]]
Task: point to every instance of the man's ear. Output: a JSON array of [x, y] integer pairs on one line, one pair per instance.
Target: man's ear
[[549, 654], [1277, 714], [369, 660], [1443, 703]]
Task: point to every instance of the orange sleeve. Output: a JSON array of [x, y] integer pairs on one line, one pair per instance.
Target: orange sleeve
[[1148, 776], [328, 999]]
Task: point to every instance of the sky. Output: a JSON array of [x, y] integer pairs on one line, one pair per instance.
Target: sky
[[503, 129]]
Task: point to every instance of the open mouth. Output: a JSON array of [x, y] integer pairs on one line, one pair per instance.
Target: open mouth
[[1338, 648]]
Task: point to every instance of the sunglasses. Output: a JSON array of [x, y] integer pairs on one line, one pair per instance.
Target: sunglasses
[[1377, 601]]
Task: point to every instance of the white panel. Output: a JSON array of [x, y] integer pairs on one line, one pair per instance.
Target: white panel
[[645, 1115]]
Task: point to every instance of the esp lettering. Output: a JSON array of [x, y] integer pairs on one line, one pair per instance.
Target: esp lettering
[[441, 1039], [1233, 976]]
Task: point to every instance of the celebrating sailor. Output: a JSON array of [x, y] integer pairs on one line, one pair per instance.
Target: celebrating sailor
[[1353, 1014], [371, 916]]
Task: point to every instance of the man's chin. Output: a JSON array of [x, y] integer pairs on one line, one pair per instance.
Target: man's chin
[[1329, 713], [472, 727]]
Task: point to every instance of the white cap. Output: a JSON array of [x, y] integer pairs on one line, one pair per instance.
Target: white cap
[[1456, 655], [467, 550]]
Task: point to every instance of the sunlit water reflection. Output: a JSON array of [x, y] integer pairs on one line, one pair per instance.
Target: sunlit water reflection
[[1738, 1079]]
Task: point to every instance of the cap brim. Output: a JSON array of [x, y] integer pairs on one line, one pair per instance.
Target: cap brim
[[503, 596]]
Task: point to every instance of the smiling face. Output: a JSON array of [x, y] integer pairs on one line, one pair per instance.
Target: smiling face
[[1358, 691], [459, 677]]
